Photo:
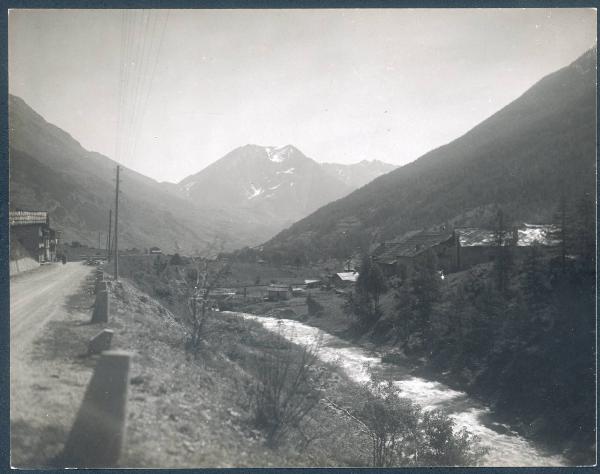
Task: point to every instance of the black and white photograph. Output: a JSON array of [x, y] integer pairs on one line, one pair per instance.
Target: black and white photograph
[[302, 237]]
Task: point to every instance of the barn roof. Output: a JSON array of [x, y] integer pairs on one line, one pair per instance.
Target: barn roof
[[410, 246], [527, 235], [530, 234], [475, 237]]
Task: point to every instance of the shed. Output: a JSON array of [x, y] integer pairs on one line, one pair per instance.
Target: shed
[[278, 293]]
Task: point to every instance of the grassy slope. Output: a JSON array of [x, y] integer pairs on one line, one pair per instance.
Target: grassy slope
[[183, 411]]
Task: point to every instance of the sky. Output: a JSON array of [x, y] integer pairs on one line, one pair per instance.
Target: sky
[[167, 92]]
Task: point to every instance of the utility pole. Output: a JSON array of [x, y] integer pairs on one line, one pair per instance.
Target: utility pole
[[108, 241], [116, 249]]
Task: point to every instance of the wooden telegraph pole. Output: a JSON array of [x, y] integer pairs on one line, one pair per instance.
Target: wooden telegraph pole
[[108, 241], [116, 249]]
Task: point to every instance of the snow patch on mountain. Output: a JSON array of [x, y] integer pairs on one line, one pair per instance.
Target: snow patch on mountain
[[188, 186], [255, 191], [288, 171], [278, 155]]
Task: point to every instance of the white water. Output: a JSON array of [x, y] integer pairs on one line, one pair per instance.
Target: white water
[[506, 448]]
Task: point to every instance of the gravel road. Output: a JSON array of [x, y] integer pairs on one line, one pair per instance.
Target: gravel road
[[38, 296]]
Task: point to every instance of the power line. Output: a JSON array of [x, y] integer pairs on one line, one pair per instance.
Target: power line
[[140, 51], [151, 80], [116, 247]]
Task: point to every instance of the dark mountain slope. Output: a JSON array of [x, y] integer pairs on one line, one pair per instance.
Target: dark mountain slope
[[520, 159], [50, 170]]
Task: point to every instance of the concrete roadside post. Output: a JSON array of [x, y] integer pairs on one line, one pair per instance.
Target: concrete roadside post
[[101, 307], [98, 277], [101, 285], [100, 342], [98, 433]]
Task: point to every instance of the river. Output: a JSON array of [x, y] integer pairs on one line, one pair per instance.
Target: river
[[506, 448]]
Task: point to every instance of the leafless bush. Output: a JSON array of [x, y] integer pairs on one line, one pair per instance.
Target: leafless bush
[[402, 434], [287, 389], [206, 274]]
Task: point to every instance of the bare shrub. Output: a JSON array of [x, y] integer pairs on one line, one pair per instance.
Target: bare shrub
[[287, 389], [391, 422], [402, 434], [204, 276]]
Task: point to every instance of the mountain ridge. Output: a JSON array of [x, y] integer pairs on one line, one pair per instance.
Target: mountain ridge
[[516, 159], [50, 169]]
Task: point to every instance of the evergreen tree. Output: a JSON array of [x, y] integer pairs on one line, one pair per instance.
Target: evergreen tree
[[561, 233], [533, 278], [416, 296], [584, 230], [371, 279], [503, 253]]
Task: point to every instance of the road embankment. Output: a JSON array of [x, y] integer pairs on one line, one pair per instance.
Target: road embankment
[[184, 410]]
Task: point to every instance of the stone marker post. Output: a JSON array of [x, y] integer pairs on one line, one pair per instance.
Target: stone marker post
[[100, 342], [101, 307], [101, 285], [98, 432]]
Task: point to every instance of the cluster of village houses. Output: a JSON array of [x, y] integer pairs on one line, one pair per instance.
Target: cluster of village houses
[[462, 248], [454, 250], [33, 240]]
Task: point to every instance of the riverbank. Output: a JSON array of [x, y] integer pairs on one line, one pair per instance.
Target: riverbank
[[333, 320]]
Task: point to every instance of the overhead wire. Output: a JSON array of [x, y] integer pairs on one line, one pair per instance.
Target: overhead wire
[[151, 79], [137, 65], [141, 78], [140, 50]]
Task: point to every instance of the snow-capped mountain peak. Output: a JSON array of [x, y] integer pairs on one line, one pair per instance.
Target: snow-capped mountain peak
[[280, 182], [279, 155]]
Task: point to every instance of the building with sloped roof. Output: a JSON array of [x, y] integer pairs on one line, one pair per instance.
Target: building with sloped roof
[[31, 237], [397, 257], [278, 292], [475, 246], [344, 279], [462, 248]]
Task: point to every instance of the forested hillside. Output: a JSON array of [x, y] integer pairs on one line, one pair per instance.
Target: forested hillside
[[521, 159]]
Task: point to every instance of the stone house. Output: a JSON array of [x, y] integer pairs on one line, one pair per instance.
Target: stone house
[[475, 246], [278, 293], [397, 257]]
